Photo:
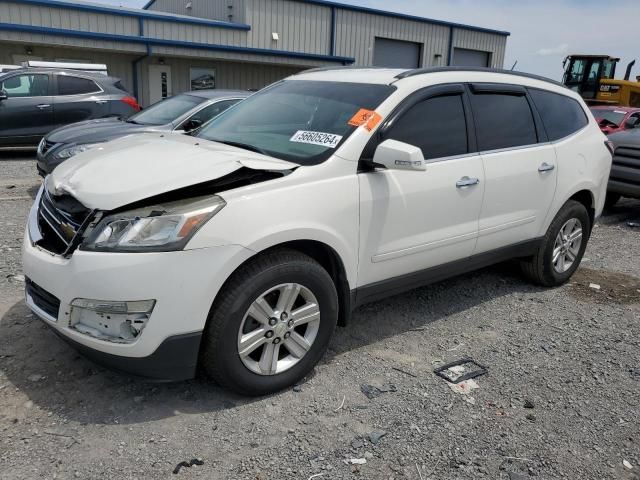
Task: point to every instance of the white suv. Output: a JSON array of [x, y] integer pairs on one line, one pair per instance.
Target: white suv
[[241, 249]]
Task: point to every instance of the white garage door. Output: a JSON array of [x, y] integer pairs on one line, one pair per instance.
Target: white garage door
[[463, 57], [396, 53]]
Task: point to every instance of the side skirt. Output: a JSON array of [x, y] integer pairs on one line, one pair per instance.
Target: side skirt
[[393, 286]]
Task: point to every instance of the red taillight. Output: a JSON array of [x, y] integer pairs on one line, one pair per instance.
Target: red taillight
[[610, 146], [132, 102]]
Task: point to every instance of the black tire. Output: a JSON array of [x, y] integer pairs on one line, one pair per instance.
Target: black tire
[[611, 199], [219, 351], [539, 268]]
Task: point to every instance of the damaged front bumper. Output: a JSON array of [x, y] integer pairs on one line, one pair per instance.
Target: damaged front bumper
[[171, 292]]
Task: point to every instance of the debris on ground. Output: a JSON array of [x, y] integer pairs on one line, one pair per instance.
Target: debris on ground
[[529, 404], [633, 224], [371, 391], [464, 369], [405, 372], [16, 278], [189, 464], [357, 461], [595, 286], [464, 388], [627, 465], [376, 435]]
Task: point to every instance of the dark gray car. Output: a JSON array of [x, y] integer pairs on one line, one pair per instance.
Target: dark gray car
[[34, 101], [181, 113], [624, 180]]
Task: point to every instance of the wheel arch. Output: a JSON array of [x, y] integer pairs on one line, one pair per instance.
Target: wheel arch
[[586, 198], [323, 253]]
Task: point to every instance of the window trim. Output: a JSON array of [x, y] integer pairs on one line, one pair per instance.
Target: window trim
[[57, 90], [49, 92], [481, 88], [426, 93]]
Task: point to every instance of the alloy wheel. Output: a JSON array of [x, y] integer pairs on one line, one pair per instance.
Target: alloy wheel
[[278, 329], [567, 245]]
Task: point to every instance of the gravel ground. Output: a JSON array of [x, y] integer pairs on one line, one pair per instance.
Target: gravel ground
[[561, 398]]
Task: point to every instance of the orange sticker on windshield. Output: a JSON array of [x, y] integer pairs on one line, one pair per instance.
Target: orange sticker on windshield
[[365, 117]]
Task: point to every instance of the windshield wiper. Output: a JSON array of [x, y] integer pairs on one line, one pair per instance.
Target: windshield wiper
[[245, 146]]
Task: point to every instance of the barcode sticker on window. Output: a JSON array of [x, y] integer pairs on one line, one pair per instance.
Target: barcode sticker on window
[[322, 139]]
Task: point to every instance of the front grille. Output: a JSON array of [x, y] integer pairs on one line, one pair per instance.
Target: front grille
[[626, 165], [627, 156], [45, 301], [60, 218], [46, 146]]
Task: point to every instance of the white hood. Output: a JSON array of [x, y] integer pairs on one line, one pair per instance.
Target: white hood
[[136, 167]]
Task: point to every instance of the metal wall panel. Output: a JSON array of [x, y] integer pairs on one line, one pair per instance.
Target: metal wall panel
[[356, 33], [64, 41], [119, 65], [212, 9], [486, 42], [233, 75], [301, 27], [27, 14], [194, 33]]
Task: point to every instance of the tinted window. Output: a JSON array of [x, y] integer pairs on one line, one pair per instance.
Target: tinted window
[[27, 85], [75, 85], [436, 125], [503, 121], [561, 115], [300, 121]]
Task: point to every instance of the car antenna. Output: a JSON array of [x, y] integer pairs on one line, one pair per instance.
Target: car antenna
[[514, 65]]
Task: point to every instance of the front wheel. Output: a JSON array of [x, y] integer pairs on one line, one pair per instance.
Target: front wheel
[[562, 247], [271, 324]]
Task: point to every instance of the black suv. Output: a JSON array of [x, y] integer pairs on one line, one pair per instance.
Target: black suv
[[624, 180], [34, 101]]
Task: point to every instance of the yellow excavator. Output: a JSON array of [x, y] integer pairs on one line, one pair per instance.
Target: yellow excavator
[[593, 77]]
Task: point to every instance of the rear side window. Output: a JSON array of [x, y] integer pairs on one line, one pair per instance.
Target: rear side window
[[503, 121], [120, 87], [436, 125], [75, 85], [560, 114]]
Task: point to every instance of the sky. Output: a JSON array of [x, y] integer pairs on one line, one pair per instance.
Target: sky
[[543, 32]]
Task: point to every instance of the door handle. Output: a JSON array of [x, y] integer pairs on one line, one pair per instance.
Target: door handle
[[545, 167], [100, 102], [465, 182], [43, 106]]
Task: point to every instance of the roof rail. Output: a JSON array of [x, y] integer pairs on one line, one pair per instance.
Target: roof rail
[[424, 71], [338, 67]]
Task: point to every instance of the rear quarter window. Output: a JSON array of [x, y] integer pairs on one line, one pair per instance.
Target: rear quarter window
[[561, 115]]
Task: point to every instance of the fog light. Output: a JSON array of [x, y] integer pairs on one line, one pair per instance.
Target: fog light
[[119, 322]]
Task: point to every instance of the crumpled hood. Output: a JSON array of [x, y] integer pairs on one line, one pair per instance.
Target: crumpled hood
[[136, 167], [99, 130]]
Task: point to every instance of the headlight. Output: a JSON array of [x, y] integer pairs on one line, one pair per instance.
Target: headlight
[[69, 152], [159, 228]]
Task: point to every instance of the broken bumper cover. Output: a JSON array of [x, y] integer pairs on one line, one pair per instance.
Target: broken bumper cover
[[182, 283]]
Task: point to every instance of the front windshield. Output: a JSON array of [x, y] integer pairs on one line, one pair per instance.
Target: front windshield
[[613, 116], [166, 111], [296, 120]]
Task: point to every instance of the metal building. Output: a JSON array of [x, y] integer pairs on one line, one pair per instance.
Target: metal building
[[172, 46]]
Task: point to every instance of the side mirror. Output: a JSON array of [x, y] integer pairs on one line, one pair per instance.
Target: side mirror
[[3, 95], [395, 155], [632, 123]]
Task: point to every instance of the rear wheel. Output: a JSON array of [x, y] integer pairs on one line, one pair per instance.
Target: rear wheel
[[271, 325], [562, 247]]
